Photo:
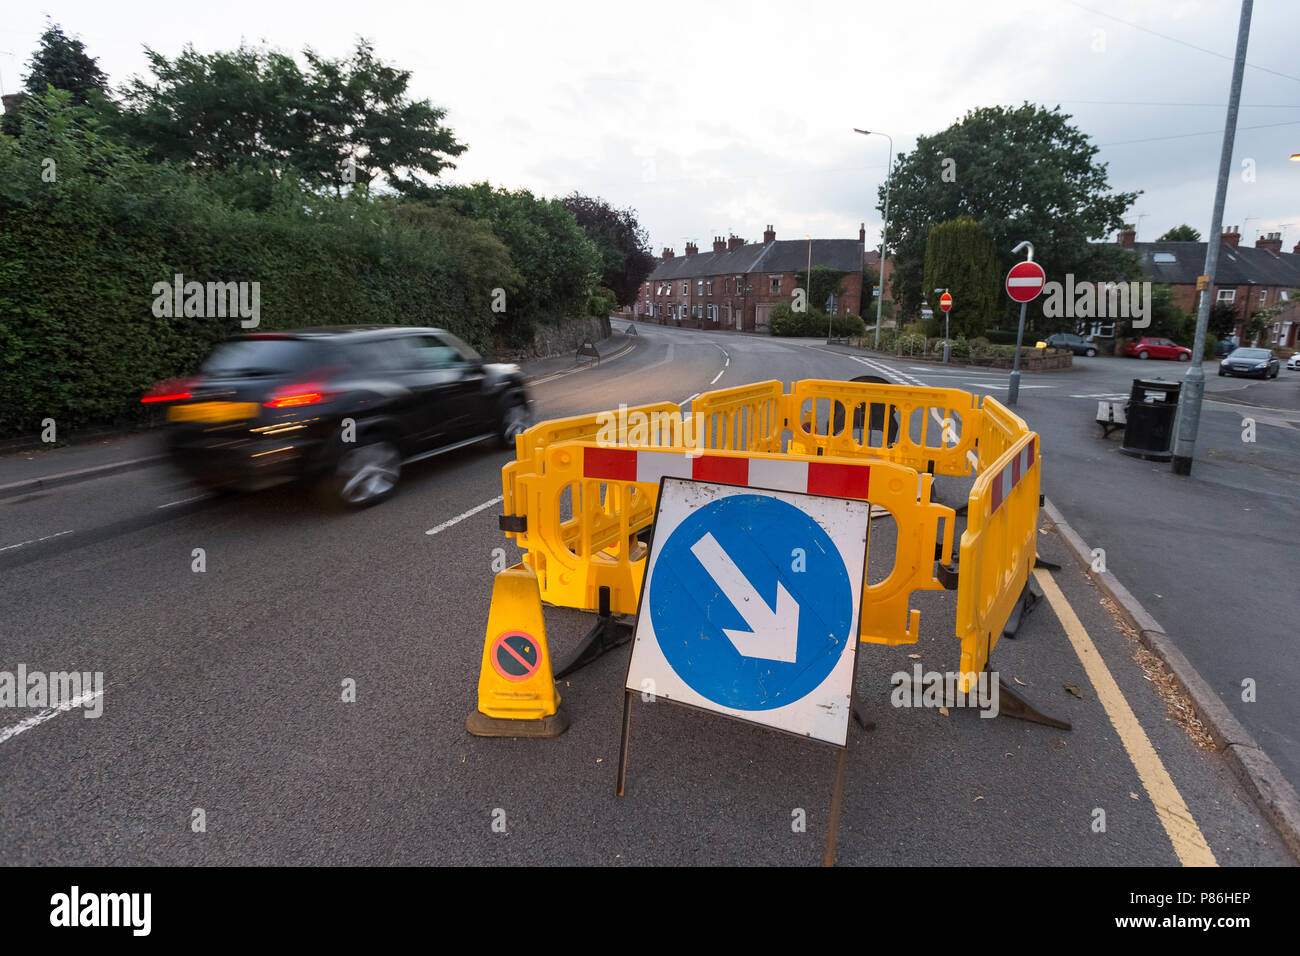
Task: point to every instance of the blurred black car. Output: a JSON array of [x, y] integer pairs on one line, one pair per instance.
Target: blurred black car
[[1253, 363], [344, 405], [1075, 343]]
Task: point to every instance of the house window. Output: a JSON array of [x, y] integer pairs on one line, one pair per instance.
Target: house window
[[1263, 296], [699, 287], [1228, 295], [709, 287], [774, 285], [686, 287]]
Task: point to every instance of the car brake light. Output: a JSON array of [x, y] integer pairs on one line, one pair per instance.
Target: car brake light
[[294, 396], [172, 390]]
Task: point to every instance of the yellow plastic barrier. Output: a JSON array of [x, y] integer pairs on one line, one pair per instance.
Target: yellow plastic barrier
[[938, 427], [745, 418], [582, 490], [998, 549]]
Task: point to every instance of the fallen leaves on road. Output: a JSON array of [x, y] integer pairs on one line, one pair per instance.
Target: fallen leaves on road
[[1073, 689], [1018, 681], [1178, 706], [944, 711]]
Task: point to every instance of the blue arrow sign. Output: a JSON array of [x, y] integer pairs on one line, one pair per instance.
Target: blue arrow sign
[[751, 602]]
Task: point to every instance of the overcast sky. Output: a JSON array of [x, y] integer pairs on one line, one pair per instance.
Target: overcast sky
[[709, 117]]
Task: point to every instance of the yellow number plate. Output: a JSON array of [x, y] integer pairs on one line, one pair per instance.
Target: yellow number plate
[[212, 412]]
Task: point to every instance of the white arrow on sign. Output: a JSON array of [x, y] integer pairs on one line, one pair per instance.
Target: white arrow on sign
[[773, 635]]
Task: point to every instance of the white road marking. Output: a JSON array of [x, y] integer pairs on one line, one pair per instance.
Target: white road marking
[[1110, 395], [172, 504], [461, 517], [718, 376], [10, 547], [8, 733], [687, 401]]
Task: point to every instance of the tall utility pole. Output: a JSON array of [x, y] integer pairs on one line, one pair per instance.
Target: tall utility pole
[[1193, 390], [884, 227]]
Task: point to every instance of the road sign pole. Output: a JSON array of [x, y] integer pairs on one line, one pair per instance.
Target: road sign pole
[[1193, 390], [945, 336], [1013, 387]]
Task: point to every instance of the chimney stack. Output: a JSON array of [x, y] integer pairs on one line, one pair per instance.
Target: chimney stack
[[862, 233], [719, 244], [734, 243], [1231, 237], [1127, 237], [1271, 241], [691, 249], [668, 254], [769, 234]]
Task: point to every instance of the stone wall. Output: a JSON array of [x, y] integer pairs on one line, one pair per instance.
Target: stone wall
[[567, 336]]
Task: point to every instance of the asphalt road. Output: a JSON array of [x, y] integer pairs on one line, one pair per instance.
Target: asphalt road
[[222, 689]]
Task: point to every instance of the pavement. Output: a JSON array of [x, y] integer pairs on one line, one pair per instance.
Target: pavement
[[222, 688]]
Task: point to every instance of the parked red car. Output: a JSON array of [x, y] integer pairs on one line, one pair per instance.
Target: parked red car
[[1157, 348]]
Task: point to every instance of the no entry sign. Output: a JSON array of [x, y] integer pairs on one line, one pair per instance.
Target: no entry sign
[[945, 302], [1025, 281]]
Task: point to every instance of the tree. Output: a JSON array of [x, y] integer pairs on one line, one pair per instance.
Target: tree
[[1222, 322], [1183, 233], [62, 62], [624, 246], [1022, 173], [962, 259], [340, 123], [558, 265], [870, 277]]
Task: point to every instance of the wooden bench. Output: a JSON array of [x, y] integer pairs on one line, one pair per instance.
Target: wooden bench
[[1110, 416]]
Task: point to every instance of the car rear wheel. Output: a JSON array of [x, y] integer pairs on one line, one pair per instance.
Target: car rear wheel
[[367, 474], [1090, 353], [1143, 355]]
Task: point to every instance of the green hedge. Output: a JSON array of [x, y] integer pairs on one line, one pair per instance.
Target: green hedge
[[79, 257], [814, 323]]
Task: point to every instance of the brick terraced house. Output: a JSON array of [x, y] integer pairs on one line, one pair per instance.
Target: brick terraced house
[[1248, 279], [737, 285]]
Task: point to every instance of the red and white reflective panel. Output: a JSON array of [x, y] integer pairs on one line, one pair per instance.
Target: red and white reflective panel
[[1011, 475], [1025, 281], [810, 477]]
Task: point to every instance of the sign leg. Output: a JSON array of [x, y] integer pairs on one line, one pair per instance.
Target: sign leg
[[622, 747], [837, 802]]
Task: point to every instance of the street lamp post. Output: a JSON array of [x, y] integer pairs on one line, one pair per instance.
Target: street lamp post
[[884, 229], [1193, 390]]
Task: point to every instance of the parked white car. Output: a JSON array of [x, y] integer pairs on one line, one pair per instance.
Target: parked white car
[[1293, 363]]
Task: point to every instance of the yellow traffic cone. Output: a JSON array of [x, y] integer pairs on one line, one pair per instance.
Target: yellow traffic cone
[[516, 692]]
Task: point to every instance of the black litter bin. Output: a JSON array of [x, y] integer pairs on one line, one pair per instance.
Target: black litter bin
[[1152, 407]]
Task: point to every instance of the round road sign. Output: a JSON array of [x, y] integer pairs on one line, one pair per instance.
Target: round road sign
[[945, 302], [1025, 281], [514, 655]]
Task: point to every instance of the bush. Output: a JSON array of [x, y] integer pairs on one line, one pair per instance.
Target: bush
[[784, 321], [79, 258], [601, 302]]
